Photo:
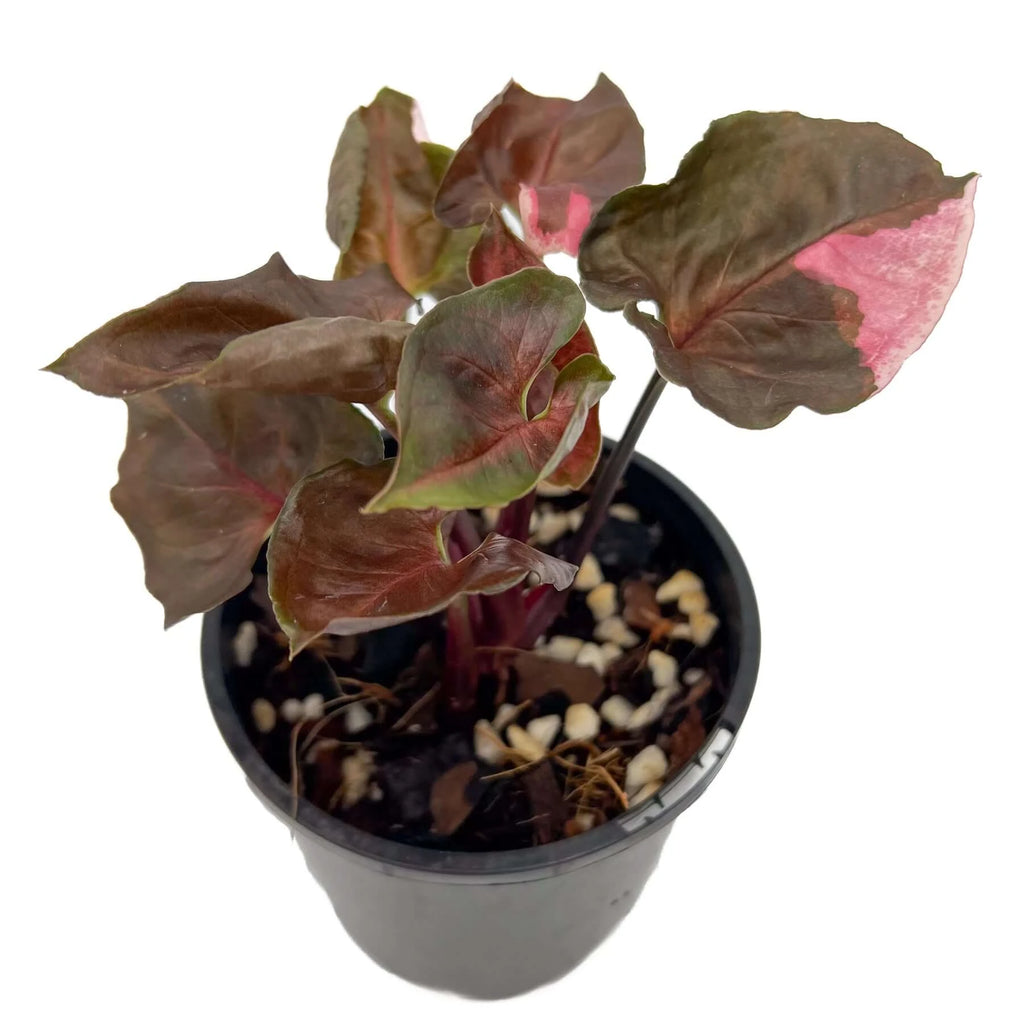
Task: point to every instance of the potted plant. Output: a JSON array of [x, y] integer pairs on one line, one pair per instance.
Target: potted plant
[[485, 659]]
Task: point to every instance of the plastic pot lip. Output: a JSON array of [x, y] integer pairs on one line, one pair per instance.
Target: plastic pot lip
[[497, 866]]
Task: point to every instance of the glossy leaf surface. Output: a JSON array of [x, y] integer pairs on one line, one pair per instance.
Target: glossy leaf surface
[[553, 160], [179, 334], [336, 570], [483, 412], [499, 253], [795, 261], [204, 474]]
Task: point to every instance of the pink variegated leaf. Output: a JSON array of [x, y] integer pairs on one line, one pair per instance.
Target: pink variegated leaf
[[499, 253], [335, 570], [554, 160], [795, 261]]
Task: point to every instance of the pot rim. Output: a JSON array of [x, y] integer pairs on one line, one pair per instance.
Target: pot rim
[[497, 866]]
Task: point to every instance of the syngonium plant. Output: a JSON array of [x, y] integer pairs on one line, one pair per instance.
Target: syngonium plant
[[790, 261]]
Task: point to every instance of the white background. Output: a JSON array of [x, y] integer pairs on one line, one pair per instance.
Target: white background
[[857, 859]]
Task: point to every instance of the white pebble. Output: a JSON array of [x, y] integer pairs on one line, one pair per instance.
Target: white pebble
[[617, 711], [614, 630], [291, 710], [505, 714], [612, 652], [519, 739], [650, 765], [666, 693], [692, 676], [593, 656], [574, 517], [490, 516], [664, 668], [603, 601], [585, 821], [264, 717], [356, 771], [549, 526], [545, 729], [357, 718], [703, 625], [626, 513], [486, 743], [645, 715], [646, 793], [683, 582], [681, 631], [313, 706], [695, 601], [244, 644], [563, 648], [375, 793], [582, 722], [589, 575]]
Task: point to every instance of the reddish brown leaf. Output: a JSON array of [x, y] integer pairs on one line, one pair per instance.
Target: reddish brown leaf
[[553, 160], [335, 570], [380, 196], [449, 804], [205, 473], [474, 372], [346, 357], [180, 333]]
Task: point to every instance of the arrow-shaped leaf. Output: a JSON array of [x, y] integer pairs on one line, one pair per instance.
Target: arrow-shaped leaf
[[795, 262], [483, 412], [335, 570], [554, 160], [380, 199], [205, 472], [181, 333]]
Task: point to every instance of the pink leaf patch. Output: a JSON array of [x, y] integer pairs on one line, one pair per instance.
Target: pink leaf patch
[[553, 220], [556, 159], [902, 277]]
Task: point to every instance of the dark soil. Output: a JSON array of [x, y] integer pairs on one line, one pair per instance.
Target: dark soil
[[427, 787]]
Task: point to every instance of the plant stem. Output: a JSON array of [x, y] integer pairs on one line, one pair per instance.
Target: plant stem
[[458, 688], [550, 606], [464, 536], [514, 520], [384, 416]]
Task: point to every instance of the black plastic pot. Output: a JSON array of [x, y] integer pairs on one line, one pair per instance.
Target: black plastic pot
[[497, 924]]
